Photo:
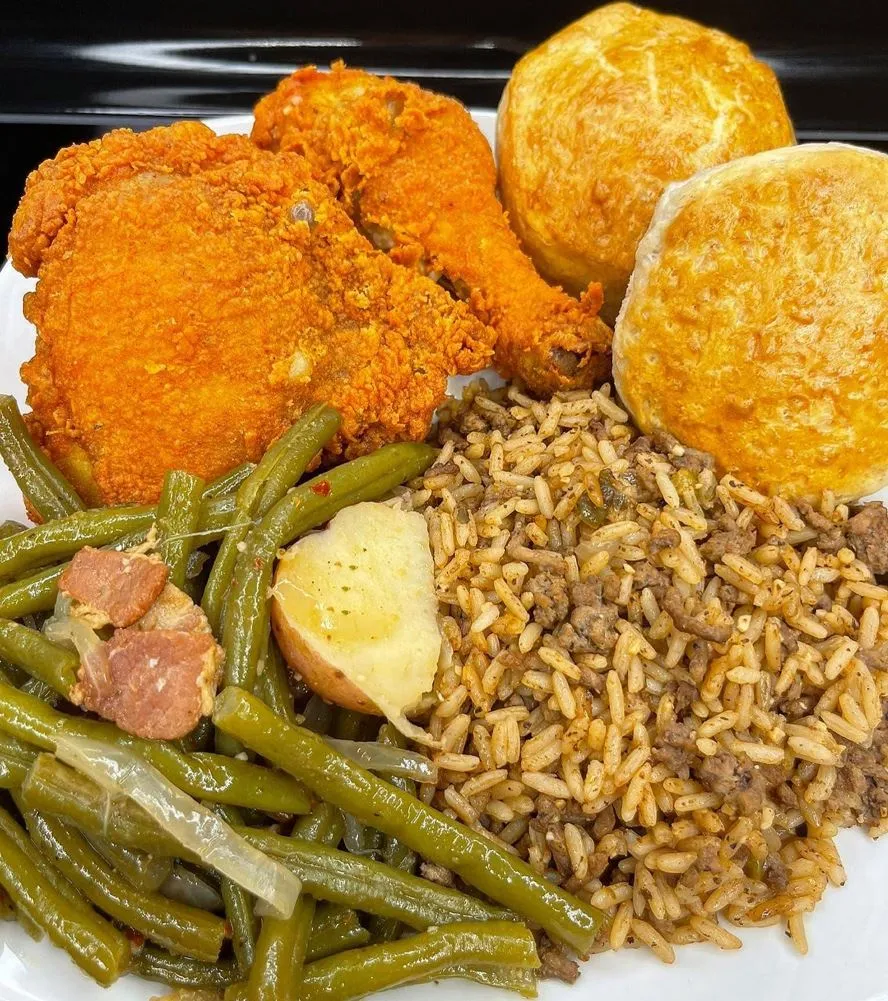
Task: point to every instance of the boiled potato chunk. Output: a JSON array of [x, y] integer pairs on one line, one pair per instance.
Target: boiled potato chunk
[[355, 613]]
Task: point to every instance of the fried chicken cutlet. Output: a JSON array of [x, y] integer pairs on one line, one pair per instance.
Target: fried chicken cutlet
[[196, 294], [418, 177]]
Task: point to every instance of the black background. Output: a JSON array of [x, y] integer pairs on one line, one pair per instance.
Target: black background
[[786, 20], [70, 71]]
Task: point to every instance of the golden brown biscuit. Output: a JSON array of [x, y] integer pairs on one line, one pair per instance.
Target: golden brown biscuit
[[601, 117], [755, 325]]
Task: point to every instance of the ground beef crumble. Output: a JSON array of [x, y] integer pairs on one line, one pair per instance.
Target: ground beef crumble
[[868, 535], [551, 603]]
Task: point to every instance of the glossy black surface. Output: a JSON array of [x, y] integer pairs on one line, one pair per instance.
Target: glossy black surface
[[72, 73]]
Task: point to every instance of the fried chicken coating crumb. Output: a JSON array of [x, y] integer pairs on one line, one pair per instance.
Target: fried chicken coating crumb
[[197, 294], [418, 177]]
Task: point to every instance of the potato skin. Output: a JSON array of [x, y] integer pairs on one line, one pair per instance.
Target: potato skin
[[355, 610], [601, 117], [321, 677]]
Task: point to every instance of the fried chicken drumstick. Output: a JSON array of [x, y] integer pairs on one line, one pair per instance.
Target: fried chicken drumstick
[[418, 177], [196, 294]]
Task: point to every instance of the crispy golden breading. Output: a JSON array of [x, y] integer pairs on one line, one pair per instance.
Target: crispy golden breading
[[418, 177], [197, 294]]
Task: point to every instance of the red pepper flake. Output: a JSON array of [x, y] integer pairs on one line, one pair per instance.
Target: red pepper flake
[[322, 488], [136, 938]]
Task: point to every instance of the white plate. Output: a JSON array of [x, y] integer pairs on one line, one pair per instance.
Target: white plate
[[848, 960]]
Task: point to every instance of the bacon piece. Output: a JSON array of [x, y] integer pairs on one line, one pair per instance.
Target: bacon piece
[[154, 683], [113, 588]]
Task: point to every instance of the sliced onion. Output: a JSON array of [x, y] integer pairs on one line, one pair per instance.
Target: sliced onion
[[413, 732], [386, 759], [70, 631], [354, 837], [194, 826], [74, 634]]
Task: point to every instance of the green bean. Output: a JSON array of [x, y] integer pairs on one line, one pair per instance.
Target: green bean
[[272, 688], [274, 685], [421, 957], [335, 929], [219, 581], [349, 725], [367, 885], [16, 760], [46, 489], [60, 539], [37, 593], [480, 862], [33, 652], [523, 982], [52, 787], [94, 944], [144, 871], [10, 747], [283, 943], [40, 859], [216, 516], [317, 715], [27, 924], [394, 852], [10, 527], [360, 839], [202, 775], [177, 927], [200, 738], [178, 519], [195, 886], [323, 824], [13, 772], [518, 981], [306, 507], [327, 874], [10, 674], [180, 971], [281, 954], [238, 906], [194, 575], [229, 482], [40, 690], [321, 423], [7, 911], [280, 467], [30, 926]]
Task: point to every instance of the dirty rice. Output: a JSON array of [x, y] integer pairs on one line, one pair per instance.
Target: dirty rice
[[662, 689]]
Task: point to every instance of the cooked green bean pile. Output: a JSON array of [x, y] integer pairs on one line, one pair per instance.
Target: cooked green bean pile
[[116, 888]]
